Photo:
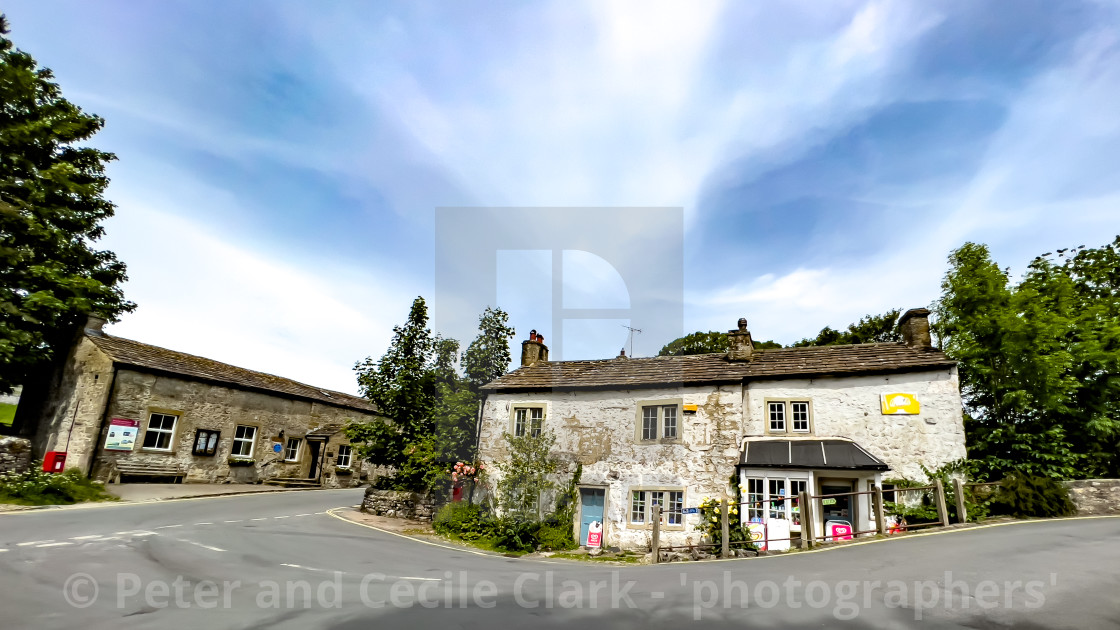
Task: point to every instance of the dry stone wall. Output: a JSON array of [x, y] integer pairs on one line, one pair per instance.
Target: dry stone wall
[[1095, 496], [398, 504], [15, 455]]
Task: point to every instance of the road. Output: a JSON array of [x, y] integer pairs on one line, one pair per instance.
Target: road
[[281, 561]]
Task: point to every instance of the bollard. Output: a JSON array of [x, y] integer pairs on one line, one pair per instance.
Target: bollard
[[726, 529], [655, 514], [962, 511], [808, 535], [880, 518], [942, 511]]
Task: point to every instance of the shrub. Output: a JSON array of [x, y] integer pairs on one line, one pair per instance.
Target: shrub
[[556, 534], [1022, 496], [461, 519], [36, 487], [513, 534], [738, 534]]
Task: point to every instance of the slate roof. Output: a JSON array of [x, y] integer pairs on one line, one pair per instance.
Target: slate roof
[[837, 454], [141, 355], [768, 363]]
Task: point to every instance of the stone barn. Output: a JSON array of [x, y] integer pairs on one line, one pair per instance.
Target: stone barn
[[122, 410]]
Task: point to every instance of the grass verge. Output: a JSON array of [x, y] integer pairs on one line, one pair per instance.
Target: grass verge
[[36, 487]]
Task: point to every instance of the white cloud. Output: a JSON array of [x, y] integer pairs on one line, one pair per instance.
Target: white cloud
[[200, 293]]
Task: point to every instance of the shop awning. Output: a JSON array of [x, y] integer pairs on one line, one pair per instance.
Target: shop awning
[[837, 454]]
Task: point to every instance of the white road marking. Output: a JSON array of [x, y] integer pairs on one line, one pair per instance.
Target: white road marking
[[145, 534], [307, 514], [57, 544], [169, 526], [258, 519], [86, 537], [33, 542], [3, 550], [423, 579], [281, 517], [198, 544], [203, 523], [237, 521]]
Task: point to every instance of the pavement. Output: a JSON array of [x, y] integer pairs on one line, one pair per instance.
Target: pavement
[[288, 560], [159, 491]]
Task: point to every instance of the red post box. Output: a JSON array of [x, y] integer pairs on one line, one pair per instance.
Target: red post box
[[54, 462]]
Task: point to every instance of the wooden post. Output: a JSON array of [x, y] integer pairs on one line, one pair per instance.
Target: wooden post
[[655, 514], [962, 511], [806, 518], [942, 511], [726, 529], [880, 518], [806, 523]]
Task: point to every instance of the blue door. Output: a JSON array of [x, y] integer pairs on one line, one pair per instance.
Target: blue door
[[591, 509]]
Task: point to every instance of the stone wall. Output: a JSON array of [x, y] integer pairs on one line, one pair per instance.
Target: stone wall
[[397, 504], [1095, 496], [15, 454]]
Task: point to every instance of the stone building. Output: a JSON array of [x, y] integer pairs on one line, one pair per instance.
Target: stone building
[[674, 430], [125, 410]]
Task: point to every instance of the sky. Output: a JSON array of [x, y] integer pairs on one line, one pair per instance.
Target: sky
[[280, 163]]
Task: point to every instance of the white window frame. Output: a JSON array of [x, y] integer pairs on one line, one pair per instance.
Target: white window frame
[[529, 417], [160, 432], [756, 486], [289, 455], [788, 416], [348, 456], [653, 421], [671, 500], [239, 440]]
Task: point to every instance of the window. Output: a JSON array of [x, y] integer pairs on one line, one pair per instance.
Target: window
[[343, 456], [670, 501], [291, 451], [205, 442], [659, 417], [638, 507], [243, 439], [800, 414], [529, 418], [777, 417], [161, 428], [789, 416], [669, 414], [774, 498], [755, 497], [649, 423], [675, 508]]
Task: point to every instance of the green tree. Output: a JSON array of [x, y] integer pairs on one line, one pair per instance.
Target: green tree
[[488, 356], [869, 329], [51, 214], [1037, 360], [403, 384], [527, 473], [704, 343]]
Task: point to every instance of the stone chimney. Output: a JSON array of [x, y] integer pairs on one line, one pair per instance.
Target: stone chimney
[[914, 326], [622, 353], [93, 326], [739, 344], [533, 350]]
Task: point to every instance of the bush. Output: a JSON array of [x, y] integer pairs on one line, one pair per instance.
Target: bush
[[36, 487], [555, 534], [514, 534], [1023, 496], [463, 520]]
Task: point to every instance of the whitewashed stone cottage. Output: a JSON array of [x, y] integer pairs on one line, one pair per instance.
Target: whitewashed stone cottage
[[674, 430]]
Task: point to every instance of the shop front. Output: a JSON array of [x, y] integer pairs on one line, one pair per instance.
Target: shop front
[[773, 473]]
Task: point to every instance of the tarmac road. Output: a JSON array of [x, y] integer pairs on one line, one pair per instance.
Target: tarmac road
[[281, 561]]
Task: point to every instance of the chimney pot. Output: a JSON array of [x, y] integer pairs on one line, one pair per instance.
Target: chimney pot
[[914, 326], [533, 350]]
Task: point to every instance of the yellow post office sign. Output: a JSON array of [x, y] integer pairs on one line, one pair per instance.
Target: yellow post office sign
[[900, 404]]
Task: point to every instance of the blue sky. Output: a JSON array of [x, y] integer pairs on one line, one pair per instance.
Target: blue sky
[[280, 162]]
